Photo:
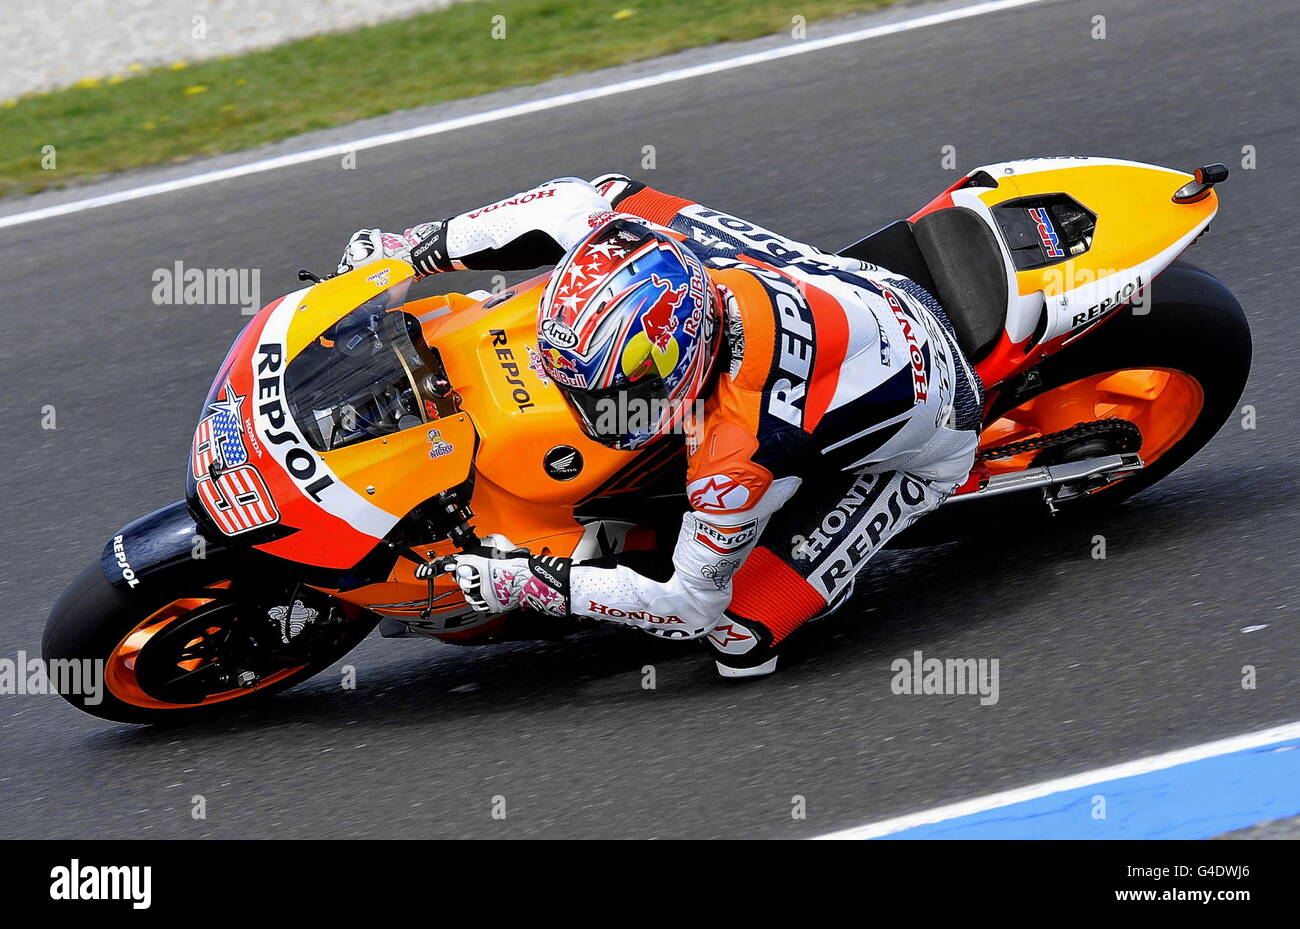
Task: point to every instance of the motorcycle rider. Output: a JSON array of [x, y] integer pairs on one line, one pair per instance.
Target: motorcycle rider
[[836, 405]]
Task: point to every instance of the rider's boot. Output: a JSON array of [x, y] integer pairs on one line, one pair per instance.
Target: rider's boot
[[742, 648]]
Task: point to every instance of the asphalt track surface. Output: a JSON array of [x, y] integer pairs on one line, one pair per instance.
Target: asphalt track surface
[[1101, 661]]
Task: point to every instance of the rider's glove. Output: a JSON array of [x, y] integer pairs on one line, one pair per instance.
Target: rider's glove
[[495, 584], [367, 245]]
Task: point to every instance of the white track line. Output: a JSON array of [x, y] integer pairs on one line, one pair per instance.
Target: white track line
[[1034, 791], [509, 112]]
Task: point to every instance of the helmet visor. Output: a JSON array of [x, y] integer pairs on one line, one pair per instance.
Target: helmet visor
[[624, 416]]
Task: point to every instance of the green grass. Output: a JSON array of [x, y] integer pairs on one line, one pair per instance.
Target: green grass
[[175, 114]]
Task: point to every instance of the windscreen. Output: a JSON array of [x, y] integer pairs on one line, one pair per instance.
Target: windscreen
[[368, 375]]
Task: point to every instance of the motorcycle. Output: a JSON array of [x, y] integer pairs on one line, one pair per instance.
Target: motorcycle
[[324, 492]]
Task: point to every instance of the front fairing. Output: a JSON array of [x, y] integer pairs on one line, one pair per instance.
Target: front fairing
[[271, 488]]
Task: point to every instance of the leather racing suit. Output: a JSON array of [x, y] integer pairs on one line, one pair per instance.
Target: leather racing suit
[[843, 411]]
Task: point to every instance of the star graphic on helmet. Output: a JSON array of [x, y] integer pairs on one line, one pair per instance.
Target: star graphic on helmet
[[596, 266], [575, 273], [607, 249]]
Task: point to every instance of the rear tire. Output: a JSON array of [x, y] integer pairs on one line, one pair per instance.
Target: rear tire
[[1195, 326]]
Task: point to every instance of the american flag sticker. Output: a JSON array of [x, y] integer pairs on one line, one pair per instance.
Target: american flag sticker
[[219, 438], [237, 500], [203, 454]]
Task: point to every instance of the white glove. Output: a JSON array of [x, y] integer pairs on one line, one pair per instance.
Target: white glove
[[496, 584], [367, 245], [490, 585]]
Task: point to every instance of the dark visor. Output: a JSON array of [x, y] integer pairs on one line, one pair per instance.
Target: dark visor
[[623, 416]]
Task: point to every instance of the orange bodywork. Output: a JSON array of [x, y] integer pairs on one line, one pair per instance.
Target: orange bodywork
[[513, 418], [1164, 404]]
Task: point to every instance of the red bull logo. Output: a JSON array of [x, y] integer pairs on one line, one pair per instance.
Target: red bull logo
[[562, 368], [659, 321], [559, 362]]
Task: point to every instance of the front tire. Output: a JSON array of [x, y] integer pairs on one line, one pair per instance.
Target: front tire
[[177, 652]]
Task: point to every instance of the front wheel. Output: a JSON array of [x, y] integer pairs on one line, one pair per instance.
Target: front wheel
[[205, 644], [1176, 372]]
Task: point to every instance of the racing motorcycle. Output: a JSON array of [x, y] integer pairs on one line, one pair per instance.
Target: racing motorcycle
[[353, 438]]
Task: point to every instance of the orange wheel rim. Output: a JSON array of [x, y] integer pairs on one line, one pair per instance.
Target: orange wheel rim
[[1163, 403], [121, 669]]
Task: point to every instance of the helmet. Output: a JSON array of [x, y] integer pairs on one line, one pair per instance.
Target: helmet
[[627, 329]]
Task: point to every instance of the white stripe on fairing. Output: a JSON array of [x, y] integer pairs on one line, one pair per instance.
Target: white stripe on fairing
[[1024, 311], [510, 112], [338, 498], [1060, 311], [1086, 779], [1050, 163]]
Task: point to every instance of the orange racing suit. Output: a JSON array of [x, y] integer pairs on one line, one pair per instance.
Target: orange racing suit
[[843, 411]]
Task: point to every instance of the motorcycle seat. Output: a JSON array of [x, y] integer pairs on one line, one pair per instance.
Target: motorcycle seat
[[954, 255]]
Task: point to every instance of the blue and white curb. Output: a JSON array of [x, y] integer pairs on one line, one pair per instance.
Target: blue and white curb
[[1191, 793]]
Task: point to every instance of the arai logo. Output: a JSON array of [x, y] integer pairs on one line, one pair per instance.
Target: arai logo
[[558, 333]]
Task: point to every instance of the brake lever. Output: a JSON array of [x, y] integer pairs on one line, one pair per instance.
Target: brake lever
[[428, 569]]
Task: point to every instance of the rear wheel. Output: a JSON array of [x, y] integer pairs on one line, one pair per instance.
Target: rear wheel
[[1163, 403], [203, 645], [1176, 372]]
